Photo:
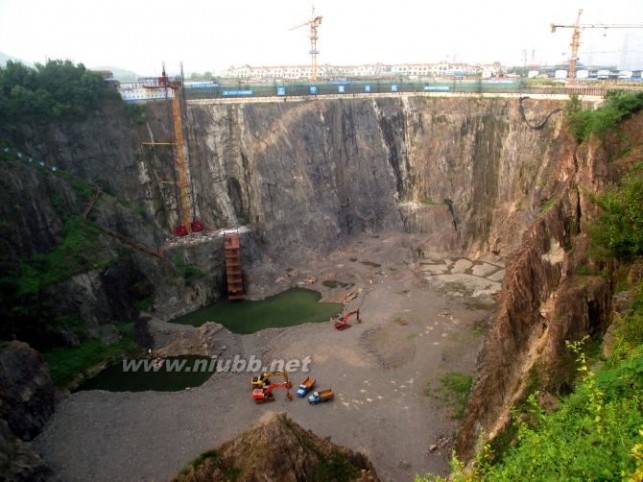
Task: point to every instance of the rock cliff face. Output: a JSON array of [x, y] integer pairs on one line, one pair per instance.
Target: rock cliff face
[[27, 399], [303, 176], [544, 301], [306, 174], [278, 449]]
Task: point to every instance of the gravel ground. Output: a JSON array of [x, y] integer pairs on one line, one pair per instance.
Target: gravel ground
[[410, 335]]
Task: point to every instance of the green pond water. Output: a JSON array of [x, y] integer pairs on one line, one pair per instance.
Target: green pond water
[[292, 307], [176, 373]]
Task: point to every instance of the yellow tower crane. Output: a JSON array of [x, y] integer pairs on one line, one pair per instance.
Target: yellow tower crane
[[187, 216], [575, 43], [313, 23]]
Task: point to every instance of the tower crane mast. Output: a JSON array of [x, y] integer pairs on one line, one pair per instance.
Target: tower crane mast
[[314, 22], [188, 223], [575, 43]]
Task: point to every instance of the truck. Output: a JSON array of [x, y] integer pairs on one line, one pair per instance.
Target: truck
[[321, 396], [305, 387]]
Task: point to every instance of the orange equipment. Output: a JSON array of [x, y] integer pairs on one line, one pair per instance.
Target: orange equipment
[[342, 323], [184, 188], [263, 395], [263, 380]]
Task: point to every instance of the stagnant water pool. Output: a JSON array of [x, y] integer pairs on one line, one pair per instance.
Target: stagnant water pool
[[292, 307], [138, 375]]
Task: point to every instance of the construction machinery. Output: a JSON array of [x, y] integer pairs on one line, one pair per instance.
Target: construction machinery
[[305, 387], [263, 380], [264, 394], [342, 323], [321, 396], [575, 43], [188, 221], [314, 22]]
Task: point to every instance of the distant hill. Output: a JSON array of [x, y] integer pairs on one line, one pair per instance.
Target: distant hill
[[121, 75]]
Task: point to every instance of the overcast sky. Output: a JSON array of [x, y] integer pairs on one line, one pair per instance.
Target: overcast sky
[[211, 35]]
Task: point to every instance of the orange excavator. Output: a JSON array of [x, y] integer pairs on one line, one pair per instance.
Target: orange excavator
[[263, 395], [342, 323], [263, 380]]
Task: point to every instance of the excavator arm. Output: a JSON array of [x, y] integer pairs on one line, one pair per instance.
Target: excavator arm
[[262, 380], [342, 323], [261, 395]]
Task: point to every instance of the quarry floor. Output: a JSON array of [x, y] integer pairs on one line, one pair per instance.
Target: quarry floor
[[421, 319]]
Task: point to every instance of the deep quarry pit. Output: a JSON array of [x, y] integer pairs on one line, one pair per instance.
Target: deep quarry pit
[[385, 372], [405, 207]]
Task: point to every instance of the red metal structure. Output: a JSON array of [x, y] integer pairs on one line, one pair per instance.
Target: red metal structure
[[232, 251]]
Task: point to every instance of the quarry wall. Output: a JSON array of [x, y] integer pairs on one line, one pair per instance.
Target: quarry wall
[[470, 174]]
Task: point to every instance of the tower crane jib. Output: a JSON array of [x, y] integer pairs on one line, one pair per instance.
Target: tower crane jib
[[314, 22], [575, 43]]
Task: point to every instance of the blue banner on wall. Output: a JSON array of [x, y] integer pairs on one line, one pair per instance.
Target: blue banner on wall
[[237, 92]]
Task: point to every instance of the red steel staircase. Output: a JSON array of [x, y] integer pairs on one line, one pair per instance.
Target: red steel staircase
[[232, 251]]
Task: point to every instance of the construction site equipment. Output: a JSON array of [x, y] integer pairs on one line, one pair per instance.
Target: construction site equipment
[[342, 323], [575, 43], [321, 396], [313, 23], [305, 387], [262, 395], [185, 194], [232, 252], [262, 380]]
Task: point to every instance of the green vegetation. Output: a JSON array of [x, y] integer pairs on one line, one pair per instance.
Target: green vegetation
[[65, 363], [189, 272], [57, 90], [28, 309], [454, 392], [595, 433], [590, 437], [210, 462], [618, 106], [547, 205], [75, 254], [135, 113], [619, 231], [335, 468]]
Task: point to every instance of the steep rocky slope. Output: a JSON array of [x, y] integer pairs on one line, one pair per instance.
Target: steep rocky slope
[[27, 401], [278, 449], [545, 300], [303, 176]]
